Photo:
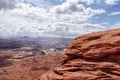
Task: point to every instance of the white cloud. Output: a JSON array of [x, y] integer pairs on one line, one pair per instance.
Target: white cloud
[[111, 2], [8, 4], [60, 20], [70, 10], [20, 26], [27, 10], [67, 8], [72, 1], [115, 13], [88, 2], [13, 26], [73, 30]]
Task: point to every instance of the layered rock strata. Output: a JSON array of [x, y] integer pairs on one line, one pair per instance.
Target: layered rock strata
[[94, 56]]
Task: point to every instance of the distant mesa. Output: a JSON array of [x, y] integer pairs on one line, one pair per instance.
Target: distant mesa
[[25, 37], [94, 56]]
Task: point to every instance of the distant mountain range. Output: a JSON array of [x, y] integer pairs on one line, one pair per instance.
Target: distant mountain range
[[43, 42]]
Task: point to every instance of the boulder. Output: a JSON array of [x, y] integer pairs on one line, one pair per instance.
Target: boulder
[[94, 56]]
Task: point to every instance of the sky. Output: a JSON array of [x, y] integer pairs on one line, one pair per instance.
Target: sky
[[57, 18]]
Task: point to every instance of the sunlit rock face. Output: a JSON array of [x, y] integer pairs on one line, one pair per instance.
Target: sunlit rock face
[[94, 56]]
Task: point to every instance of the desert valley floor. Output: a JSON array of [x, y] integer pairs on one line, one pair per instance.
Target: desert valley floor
[[26, 58]]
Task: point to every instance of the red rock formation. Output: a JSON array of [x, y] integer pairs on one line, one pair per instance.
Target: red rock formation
[[94, 56]]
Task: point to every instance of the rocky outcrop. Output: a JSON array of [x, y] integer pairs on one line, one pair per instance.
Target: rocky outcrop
[[94, 56]]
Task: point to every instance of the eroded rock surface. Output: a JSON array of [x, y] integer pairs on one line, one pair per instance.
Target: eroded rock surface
[[94, 56]]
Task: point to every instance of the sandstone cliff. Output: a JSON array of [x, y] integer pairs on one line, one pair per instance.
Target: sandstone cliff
[[94, 56]]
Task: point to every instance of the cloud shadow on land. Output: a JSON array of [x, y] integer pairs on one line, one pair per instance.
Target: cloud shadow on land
[[4, 62]]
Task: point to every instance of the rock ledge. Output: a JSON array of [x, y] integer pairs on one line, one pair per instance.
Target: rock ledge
[[94, 56]]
